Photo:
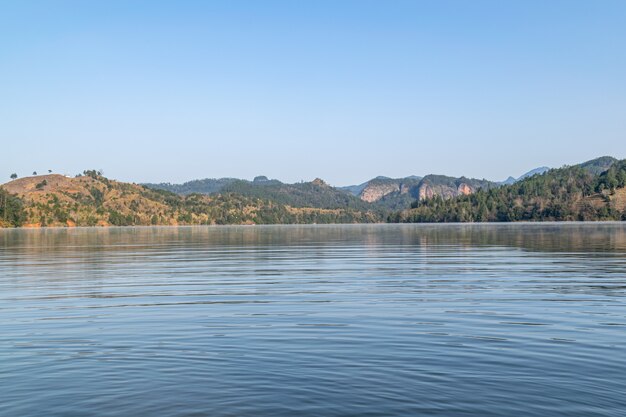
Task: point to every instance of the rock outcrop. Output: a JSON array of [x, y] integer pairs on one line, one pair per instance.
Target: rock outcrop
[[398, 193], [374, 192]]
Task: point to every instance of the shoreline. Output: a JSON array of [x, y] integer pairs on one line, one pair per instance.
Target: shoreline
[[445, 224]]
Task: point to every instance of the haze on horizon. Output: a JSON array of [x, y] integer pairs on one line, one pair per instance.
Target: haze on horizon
[[154, 91]]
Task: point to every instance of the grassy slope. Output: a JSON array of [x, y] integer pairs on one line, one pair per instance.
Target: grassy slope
[[55, 200]]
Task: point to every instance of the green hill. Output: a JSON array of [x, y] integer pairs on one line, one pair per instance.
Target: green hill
[[598, 165], [316, 194], [594, 190], [205, 186]]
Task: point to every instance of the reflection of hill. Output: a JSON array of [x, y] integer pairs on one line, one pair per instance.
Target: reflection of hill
[[131, 242]]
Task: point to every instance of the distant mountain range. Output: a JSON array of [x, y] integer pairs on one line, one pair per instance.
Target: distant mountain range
[[530, 173], [384, 192], [593, 190]]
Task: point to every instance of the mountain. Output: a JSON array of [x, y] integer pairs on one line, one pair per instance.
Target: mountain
[[579, 192], [530, 173], [205, 186], [380, 193], [598, 165], [595, 166], [378, 187], [448, 187], [399, 193], [316, 194], [93, 200], [356, 190]]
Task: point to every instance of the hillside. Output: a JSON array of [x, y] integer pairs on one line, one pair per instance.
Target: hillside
[[90, 200], [571, 193], [205, 186], [381, 187], [449, 187], [93, 200], [314, 194], [512, 180], [380, 193], [377, 188], [598, 165], [399, 193]]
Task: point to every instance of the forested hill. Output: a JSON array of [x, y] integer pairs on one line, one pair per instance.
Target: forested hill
[[205, 186], [316, 193], [93, 200], [594, 190]]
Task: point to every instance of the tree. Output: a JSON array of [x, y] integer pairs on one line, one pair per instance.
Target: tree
[[13, 176], [11, 210]]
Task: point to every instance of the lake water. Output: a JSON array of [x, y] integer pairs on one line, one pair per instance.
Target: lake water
[[378, 320]]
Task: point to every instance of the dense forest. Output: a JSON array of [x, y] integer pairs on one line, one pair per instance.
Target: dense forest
[[590, 191]]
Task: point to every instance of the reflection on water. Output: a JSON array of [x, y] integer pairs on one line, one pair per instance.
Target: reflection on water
[[450, 320]]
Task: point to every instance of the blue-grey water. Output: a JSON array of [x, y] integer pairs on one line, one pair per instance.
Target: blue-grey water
[[382, 320]]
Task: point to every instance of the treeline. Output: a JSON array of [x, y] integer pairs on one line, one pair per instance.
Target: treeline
[[566, 194]]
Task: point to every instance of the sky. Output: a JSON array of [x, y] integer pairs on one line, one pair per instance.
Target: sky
[[170, 91]]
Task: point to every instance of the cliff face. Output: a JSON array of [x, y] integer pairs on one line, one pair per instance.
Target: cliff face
[[430, 190], [425, 191], [374, 192], [464, 189], [449, 187], [393, 190], [401, 191]]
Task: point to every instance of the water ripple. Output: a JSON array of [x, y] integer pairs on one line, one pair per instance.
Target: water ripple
[[379, 320]]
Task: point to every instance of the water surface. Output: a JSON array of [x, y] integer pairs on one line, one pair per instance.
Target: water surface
[[378, 320]]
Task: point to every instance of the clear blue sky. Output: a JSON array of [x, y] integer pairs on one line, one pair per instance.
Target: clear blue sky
[[342, 90]]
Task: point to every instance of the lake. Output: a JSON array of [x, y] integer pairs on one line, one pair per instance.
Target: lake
[[357, 320]]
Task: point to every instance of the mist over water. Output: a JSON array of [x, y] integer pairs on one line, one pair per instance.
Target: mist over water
[[367, 320]]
